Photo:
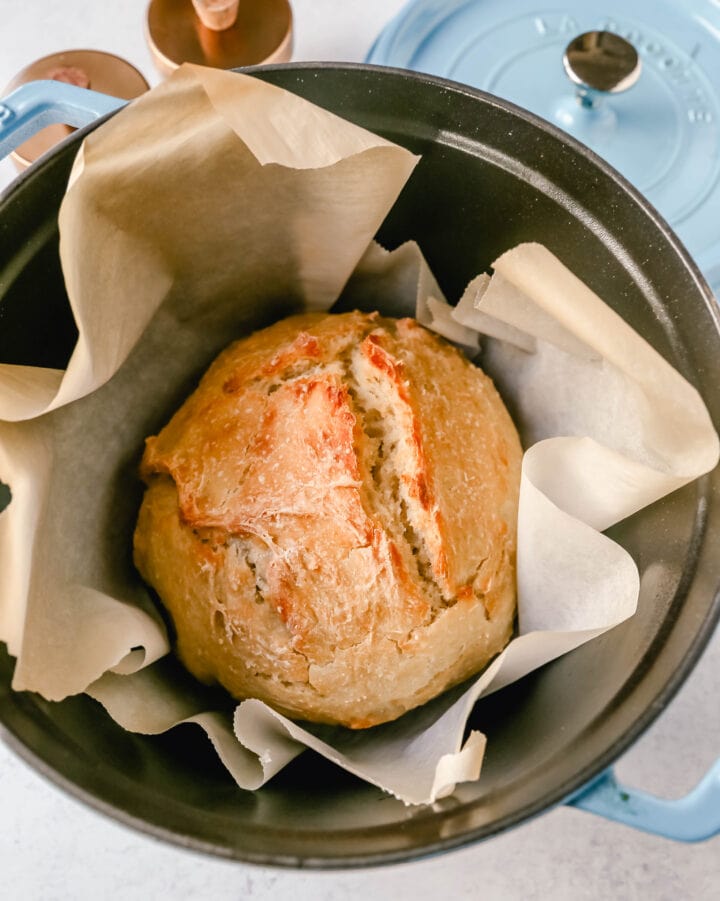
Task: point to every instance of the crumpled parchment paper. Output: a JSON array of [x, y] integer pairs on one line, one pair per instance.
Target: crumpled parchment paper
[[211, 206]]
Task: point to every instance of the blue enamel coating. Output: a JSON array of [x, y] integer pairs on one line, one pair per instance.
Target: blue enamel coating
[[39, 103], [690, 819], [663, 134]]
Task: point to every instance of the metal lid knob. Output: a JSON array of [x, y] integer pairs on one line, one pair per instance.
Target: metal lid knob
[[220, 33], [103, 72], [601, 62]]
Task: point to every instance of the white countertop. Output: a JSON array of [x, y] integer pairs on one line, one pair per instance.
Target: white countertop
[[52, 847]]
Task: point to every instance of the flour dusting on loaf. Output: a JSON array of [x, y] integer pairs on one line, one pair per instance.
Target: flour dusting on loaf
[[330, 519]]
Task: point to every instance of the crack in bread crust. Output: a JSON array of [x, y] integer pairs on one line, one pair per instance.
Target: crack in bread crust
[[380, 458]]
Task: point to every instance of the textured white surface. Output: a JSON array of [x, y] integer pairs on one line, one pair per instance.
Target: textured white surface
[[52, 847]]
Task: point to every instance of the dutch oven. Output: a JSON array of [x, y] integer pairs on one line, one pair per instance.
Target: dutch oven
[[495, 176]]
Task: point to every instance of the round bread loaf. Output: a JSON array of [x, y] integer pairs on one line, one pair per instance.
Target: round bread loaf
[[330, 519]]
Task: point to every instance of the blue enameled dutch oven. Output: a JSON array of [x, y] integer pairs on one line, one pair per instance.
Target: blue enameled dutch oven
[[494, 176]]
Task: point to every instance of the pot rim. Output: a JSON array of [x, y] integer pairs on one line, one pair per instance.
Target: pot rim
[[578, 780]]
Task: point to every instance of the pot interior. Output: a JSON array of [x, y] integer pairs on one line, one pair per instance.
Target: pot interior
[[490, 177]]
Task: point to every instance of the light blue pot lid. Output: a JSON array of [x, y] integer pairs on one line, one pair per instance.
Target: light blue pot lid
[[663, 134]]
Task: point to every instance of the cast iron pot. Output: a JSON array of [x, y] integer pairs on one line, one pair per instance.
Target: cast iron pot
[[494, 176]]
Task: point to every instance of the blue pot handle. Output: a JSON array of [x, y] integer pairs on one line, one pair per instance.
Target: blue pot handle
[[39, 103], [690, 819]]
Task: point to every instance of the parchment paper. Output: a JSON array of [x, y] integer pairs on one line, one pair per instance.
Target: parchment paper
[[210, 206]]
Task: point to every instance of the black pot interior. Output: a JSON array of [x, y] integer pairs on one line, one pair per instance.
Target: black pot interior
[[490, 177]]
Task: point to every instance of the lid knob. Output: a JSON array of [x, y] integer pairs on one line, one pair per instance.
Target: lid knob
[[217, 15], [600, 62], [70, 75], [225, 34]]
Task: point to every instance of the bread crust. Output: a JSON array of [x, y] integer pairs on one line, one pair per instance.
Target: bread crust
[[330, 519]]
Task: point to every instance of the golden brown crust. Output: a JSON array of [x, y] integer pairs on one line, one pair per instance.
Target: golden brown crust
[[330, 518]]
